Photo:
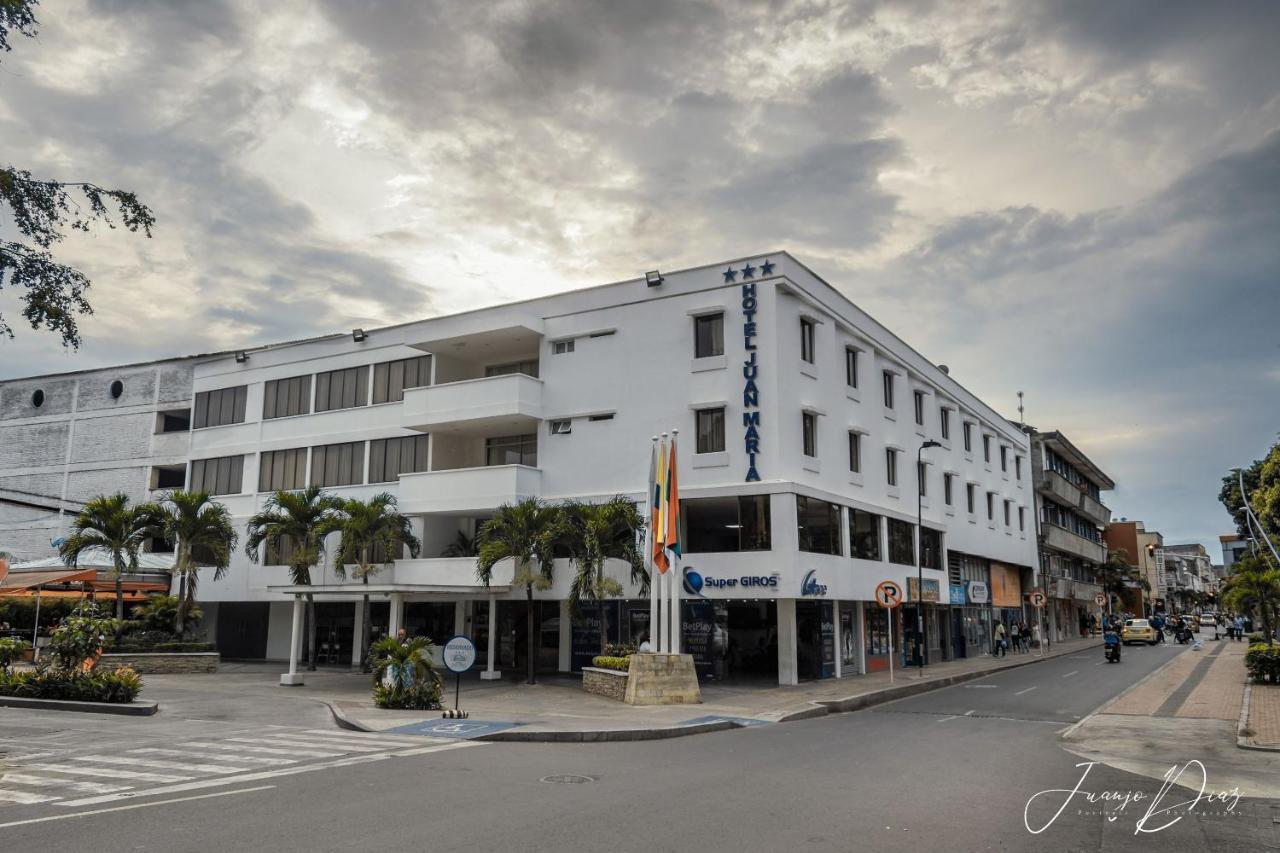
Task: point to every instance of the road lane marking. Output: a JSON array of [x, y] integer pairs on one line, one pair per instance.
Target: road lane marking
[[372, 737], [26, 798], [304, 753], [134, 806], [314, 743], [197, 753], [1071, 673], [69, 784], [272, 774], [944, 719], [971, 713], [979, 686], [1028, 690], [159, 764], [110, 773]]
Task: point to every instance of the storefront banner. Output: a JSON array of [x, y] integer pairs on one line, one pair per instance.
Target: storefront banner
[[1006, 588], [957, 593], [978, 593], [930, 590]]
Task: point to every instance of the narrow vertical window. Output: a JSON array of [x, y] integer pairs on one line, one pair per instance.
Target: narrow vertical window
[[944, 422], [946, 488], [919, 404], [986, 448], [968, 437], [710, 430], [969, 497], [809, 424], [891, 465], [888, 390], [708, 335], [922, 478], [855, 452], [851, 367], [807, 348]]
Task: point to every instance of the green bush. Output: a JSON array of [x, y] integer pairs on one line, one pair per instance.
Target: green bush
[[79, 636], [620, 650], [421, 696], [129, 645], [1256, 637], [119, 685], [612, 662], [11, 648], [20, 613], [1263, 663]]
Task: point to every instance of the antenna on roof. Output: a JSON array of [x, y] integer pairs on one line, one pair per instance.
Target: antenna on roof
[[1021, 420]]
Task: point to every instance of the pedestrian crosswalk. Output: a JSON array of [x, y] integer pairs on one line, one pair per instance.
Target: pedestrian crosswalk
[[198, 762]]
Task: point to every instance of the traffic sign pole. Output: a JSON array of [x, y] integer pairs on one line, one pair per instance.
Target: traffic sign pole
[[889, 596]]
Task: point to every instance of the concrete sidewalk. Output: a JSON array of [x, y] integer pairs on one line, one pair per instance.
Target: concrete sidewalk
[[558, 710]]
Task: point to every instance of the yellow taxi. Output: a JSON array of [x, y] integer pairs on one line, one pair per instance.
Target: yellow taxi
[[1138, 631]]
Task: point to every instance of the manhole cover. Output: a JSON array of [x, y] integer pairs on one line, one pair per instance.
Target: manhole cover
[[566, 779]]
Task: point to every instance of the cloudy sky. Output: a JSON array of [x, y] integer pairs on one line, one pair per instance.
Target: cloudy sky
[[1078, 200]]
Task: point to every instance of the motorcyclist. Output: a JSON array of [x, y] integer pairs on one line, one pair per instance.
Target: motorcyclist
[[1111, 644]]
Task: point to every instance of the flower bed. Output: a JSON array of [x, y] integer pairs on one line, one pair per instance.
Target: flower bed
[[1263, 663], [120, 685]]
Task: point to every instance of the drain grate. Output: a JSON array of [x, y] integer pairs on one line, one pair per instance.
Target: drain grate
[[567, 779]]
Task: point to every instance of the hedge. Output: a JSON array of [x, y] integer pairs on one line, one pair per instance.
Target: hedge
[[611, 662], [127, 646], [1263, 662], [418, 697], [120, 685]]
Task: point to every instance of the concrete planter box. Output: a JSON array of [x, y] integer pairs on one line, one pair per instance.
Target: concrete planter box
[[651, 680], [136, 708], [162, 663]]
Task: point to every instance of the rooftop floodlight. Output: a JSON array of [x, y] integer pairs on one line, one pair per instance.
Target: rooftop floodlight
[[241, 356], [653, 279], [358, 335]]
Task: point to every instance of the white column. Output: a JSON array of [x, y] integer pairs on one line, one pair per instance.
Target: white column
[[396, 618], [677, 610], [293, 678], [460, 618], [490, 673], [788, 666], [835, 610], [566, 638], [861, 644], [357, 634]]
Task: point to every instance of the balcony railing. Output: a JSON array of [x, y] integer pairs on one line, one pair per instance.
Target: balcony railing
[[468, 490], [1061, 539], [473, 405]]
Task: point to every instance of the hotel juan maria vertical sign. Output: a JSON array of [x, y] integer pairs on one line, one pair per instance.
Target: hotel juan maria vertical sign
[[750, 364]]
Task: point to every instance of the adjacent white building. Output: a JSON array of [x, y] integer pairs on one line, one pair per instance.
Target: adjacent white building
[[800, 419]]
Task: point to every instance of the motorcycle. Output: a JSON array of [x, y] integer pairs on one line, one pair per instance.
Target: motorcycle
[[1182, 634], [1111, 647]]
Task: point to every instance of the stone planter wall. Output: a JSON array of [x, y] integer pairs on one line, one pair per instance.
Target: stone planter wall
[[605, 682], [662, 680], [160, 663]]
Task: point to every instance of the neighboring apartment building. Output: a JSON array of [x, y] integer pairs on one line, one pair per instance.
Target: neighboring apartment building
[[1188, 572], [1072, 517], [1234, 547], [1144, 550], [800, 418]]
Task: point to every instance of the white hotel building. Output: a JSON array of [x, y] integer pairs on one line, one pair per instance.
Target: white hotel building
[[799, 416]]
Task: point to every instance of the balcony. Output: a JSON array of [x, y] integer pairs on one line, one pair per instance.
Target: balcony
[[449, 572], [1061, 539], [467, 491], [1063, 491], [495, 405]]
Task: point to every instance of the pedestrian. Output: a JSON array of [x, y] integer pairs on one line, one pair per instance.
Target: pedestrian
[[1239, 626], [999, 651], [1084, 625], [1158, 624], [1015, 639]]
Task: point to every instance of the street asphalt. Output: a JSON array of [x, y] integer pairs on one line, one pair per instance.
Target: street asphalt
[[949, 770]]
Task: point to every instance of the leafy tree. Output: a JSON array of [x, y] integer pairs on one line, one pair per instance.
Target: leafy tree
[[402, 674], [597, 533], [201, 530], [109, 524], [300, 520], [372, 531], [1253, 586], [461, 546], [52, 293], [525, 532], [78, 638], [158, 613], [1262, 482], [1117, 575]]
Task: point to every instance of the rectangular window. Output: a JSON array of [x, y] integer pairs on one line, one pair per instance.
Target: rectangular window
[[930, 548], [864, 534], [607, 416], [562, 347], [282, 469], [851, 367], [808, 349], [391, 378], [888, 390], [944, 422], [1004, 458], [338, 464], [560, 427], [986, 448], [919, 404], [710, 430], [991, 506], [708, 335], [1022, 518], [1008, 513], [968, 437], [221, 476], [391, 457], [170, 476], [342, 389], [179, 420], [284, 398], [818, 525], [809, 425], [221, 407], [902, 546], [891, 466], [1017, 467], [947, 484], [510, 368], [922, 478], [512, 450], [855, 452], [279, 551], [716, 525], [970, 497]]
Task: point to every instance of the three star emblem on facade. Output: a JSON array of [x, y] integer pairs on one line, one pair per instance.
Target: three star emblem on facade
[[730, 274]]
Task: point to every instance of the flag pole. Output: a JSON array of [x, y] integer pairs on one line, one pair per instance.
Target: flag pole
[[655, 636], [677, 617]]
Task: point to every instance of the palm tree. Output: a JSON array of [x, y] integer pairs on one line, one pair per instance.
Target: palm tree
[[196, 525], [525, 532], [407, 663], [1117, 574], [1253, 586], [370, 529], [303, 519], [596, 533], [108, 523]]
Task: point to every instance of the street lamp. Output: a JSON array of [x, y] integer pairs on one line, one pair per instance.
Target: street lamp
[[920, 641], [1248, 510]]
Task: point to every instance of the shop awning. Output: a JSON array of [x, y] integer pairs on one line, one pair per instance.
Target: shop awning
[[356, 590], [21, 582]]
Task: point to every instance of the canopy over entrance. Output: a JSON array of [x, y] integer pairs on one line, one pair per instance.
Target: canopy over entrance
[[21, 582]]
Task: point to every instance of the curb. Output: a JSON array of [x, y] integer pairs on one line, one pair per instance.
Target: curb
[[131, 709], [820, 709], [1244, 741]]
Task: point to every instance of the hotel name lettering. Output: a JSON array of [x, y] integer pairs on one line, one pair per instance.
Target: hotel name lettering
[[750, 391]]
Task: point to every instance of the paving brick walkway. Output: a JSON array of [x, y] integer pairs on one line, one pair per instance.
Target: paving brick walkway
[[1264, 714]]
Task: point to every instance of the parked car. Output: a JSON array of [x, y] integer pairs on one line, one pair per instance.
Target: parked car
[[1208, 620], [1138, 631]]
